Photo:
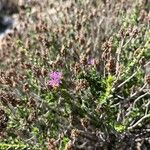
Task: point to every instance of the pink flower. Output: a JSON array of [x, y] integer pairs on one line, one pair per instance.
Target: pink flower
[[91, 61], [55, 83], [55, 80], [55, 75]]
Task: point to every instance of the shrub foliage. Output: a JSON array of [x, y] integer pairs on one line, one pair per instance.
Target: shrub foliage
[[75, 75]]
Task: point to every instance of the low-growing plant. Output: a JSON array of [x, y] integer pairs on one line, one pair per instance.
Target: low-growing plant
[[69, 81]]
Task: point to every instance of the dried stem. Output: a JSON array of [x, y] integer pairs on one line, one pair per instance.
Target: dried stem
[[139, 121]]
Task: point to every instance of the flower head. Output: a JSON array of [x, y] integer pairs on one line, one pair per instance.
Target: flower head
[[55, 79], [55, 75], [91, 61]]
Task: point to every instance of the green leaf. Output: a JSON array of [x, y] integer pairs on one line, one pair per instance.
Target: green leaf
[[120, 127]]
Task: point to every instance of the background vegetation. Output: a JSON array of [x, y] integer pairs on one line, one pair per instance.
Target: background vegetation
[[76, 75]]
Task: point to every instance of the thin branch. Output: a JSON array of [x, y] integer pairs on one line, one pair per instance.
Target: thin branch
[[139, 99], [128, 42], [98, 34], [131, 108], [127, 80], [118, 57], [119, 113], [136, 93], [138, 122], [147, 107]]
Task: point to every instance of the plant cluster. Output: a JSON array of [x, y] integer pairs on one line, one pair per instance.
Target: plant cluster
[[75, 75]]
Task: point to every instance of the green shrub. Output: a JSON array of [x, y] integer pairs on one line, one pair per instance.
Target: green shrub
[[70, 80]]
